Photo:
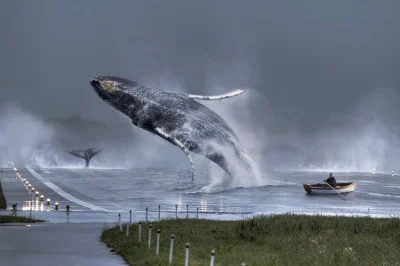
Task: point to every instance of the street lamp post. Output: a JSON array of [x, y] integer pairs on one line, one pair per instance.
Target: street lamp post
[[30, 212]]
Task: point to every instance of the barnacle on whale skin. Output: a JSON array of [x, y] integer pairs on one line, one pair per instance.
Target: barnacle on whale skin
[[108, 85]]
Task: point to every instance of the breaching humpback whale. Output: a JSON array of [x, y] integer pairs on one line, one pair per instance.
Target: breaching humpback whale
[[85, 154], [177, 118]]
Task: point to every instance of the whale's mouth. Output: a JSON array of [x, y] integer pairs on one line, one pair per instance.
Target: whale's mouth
[[95, 84], [100, 90]]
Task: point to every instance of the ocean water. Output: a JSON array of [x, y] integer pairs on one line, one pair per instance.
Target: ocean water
[[117, 190]]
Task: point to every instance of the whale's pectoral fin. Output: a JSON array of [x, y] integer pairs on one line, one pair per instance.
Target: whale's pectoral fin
[[176, 142], [218, 97]]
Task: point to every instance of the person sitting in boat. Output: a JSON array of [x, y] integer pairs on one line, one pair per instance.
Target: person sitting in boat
[[331, 180]]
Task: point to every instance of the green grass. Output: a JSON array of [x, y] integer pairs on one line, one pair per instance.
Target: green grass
[[273, 240], [12, 219], [3, 202]]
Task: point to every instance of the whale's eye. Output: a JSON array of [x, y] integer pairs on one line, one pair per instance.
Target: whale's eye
[[109, 85]]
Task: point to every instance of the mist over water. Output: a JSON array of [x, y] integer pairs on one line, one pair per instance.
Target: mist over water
[[22, 135], [30, 140], [359, 139]]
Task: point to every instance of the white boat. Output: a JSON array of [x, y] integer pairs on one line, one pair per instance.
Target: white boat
[[324, 189]]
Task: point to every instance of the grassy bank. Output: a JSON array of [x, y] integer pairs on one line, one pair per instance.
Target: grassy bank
[[275, 240], [3, 202], [12, 219]]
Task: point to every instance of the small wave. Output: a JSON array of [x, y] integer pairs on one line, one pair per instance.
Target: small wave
[[378, 194], [209, 189], [286, 182], [184, 187]]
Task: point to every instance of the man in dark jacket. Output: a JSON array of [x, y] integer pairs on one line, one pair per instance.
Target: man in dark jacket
[[331, 180]]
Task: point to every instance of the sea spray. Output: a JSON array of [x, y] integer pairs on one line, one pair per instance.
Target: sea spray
[[244, 171], [22, 135], [252, 135]]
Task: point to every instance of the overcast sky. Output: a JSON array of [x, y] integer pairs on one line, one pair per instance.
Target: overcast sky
[[316, 58]]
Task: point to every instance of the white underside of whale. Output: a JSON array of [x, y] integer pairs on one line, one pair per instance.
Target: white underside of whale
[[175, 141]]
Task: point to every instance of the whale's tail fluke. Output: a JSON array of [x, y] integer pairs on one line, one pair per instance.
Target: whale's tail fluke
[[85, 154]]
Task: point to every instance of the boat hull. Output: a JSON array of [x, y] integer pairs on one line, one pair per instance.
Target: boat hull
[[323, 189]]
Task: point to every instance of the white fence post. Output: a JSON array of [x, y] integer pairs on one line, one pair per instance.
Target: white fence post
[[171, 249], [158, 242], [212, 258], [149, 239], [187, 255], [119, 221], [140, 232]]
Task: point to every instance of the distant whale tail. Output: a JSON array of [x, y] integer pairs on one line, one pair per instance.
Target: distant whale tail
[[85, 154]]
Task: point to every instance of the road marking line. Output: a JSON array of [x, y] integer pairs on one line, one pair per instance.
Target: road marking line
[[64, 194]]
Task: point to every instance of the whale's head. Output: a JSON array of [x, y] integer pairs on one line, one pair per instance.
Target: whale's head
[[116, 91], [110, 88]]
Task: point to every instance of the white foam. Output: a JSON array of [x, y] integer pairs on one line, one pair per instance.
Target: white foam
[[64, 194]]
